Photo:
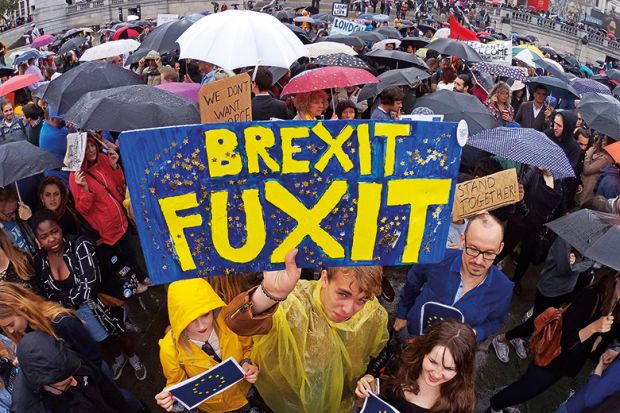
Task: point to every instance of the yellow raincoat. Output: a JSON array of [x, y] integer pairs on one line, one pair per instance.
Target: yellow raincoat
[[188, 300], [309, 364]]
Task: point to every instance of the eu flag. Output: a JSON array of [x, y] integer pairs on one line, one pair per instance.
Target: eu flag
[[373, 404], [434, 313], [195, 390]]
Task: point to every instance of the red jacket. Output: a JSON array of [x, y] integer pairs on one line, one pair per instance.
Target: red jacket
[[97, 205]]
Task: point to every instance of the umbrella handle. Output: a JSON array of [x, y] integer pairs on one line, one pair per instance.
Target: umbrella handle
[[333, 101], [19, 196]]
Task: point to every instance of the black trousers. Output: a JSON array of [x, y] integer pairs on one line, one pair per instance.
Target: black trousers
[[529, 239], [535, 381], [541, 303]]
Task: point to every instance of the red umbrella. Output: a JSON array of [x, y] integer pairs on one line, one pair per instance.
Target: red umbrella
[[18, 82], [127, 32], [326, 78]]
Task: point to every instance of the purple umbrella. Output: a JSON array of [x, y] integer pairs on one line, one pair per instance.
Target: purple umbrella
[[42, 41], [185, 90]]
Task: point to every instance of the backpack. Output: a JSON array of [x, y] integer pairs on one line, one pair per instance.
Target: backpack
[[545, 342]]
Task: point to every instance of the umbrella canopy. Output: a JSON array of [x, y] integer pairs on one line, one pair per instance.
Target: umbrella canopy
[[162, 39], [64, 91], [571, 60], [381, 18], [583, 86], [186, 90], [40, 90], [557, 87], [6, 71], [342, 38], [601, 113], [326, 48], [614, 151], [131, 107], [425, 28], [459, 106], [127, 32], [340, 59], [324, 17], [71, 44], [365, 16], [396, 58], [416, 42], [526, 56], [43, 40], [613, 74], [398, 77], [240, 38], [71, 32], [109, 49], [21, 159], [299, 32], [552, 68], [585, 69], [524, 145], [305, 19], [283, 15], [594, 234], [390, 32], [442, 33], [27, 55], [18, 82], [616, 92], [368, 36], [450, 47], [382, 43], [500, 70], [326, 78]]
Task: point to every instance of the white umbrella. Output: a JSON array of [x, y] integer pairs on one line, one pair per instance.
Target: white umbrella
[[241, 38], [443, 33], [527, 57], [381, 44], [109, 49], [324, 48], [554, 63]]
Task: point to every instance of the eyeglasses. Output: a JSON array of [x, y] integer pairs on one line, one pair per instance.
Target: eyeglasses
[[10, 216], [474, 252]]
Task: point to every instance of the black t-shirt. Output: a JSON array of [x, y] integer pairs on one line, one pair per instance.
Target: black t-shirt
[[401, 404]]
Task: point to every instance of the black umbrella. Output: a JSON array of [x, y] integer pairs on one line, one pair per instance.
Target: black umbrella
[[557, 87], [396, 58], [162, 39], [524, 145], [425, 27], [40, 90], [131, 107], [6, 71], [64, 91], [614, 74], [70, 33], [570, 60], [390, 32], [284, 15], [450, 47], [551, 69], [601, 113], [369, 36], [340, 59], [21, 159], [548, 50], [71, 44], [616, 92], [277, 73], [323, 17], [459, 106], [594, 234], [344, 39], [398, 77], [416, 42], [299, 32]]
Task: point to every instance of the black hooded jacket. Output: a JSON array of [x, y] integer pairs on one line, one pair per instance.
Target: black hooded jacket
[[567, 142], [44, 361]]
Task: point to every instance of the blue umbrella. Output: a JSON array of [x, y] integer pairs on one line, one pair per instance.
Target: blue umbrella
[[584, 86], [585, 69], [381, 18], [524, 145], [24, 57], [366, 16], [557, 87]]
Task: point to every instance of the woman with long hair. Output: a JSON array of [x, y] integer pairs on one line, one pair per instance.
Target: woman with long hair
[[16, 265], [54, 196], [499, 103], [595, 159], [436, 373]]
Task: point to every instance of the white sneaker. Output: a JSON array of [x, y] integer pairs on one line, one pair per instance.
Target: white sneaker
[[519, 346], [501, 349]]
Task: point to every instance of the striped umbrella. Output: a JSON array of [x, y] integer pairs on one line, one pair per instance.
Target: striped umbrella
[[583, 86], [524, 145]]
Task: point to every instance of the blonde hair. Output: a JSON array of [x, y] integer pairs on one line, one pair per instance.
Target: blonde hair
[[498, 88], [21, 260], [302, 101], [16, 300]]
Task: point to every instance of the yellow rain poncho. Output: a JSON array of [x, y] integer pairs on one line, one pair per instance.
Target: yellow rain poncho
[[181, 358], [310, 364]]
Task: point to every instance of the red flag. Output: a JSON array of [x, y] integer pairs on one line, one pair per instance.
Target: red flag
[[459, 32]]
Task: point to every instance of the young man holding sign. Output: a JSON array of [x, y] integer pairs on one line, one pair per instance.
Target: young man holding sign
[[312, 339]]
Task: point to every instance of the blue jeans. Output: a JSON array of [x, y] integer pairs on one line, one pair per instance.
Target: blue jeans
[[94, 327]]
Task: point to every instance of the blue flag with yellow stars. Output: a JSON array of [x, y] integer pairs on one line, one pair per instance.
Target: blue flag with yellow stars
[[373, 404], [433, 313], [195, 390]]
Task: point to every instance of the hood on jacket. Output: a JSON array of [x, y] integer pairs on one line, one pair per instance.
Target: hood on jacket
[[188, 300], [45, 360], [570, 122]]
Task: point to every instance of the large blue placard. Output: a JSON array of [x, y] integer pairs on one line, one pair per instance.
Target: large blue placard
[[236, 197]]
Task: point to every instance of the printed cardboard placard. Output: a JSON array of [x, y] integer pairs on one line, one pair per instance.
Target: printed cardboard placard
[[76, 149], [226, 100], [344, 26], [236, 197], [340, 9], [499, 51], [486, 193]]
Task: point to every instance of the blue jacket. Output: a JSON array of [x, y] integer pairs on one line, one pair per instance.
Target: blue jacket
[[609, 182], [484, 307], [596, 390]]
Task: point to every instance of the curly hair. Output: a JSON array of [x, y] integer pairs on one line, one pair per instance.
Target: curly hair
[[62, 188], [498, 88], [302, 101], [455, 396]]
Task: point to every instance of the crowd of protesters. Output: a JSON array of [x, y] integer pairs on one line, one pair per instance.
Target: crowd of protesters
[[71, 262]]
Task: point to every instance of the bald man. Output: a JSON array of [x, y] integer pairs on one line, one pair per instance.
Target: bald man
[[465, 284]]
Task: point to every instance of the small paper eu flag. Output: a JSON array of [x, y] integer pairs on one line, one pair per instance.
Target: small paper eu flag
[[195, 390], [433, 313], [373, 404]]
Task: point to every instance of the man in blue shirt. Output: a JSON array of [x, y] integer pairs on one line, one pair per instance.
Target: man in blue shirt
[[466, 280], [391, 103]]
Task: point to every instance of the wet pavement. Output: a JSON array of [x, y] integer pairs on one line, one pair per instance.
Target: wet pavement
[[149, 312]]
